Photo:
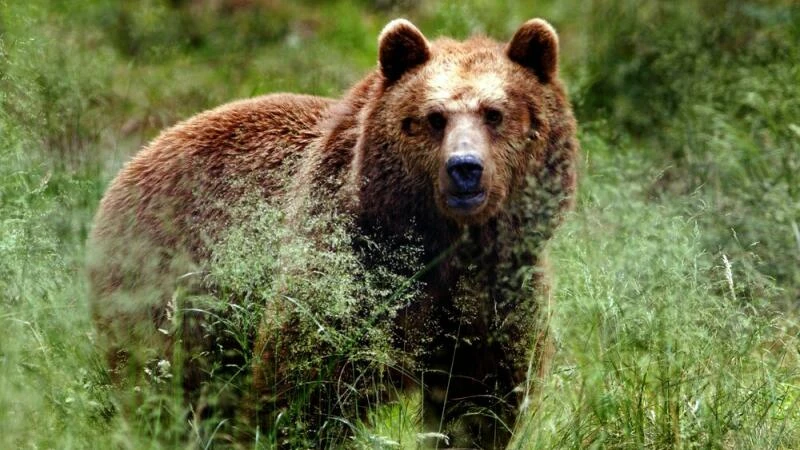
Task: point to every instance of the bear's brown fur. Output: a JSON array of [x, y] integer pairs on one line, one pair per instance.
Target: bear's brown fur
[[468, 147]]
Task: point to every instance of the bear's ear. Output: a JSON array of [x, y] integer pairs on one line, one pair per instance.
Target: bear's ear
[[535, 46], [401, 47]]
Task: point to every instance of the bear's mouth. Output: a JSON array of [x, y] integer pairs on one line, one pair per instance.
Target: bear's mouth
[[465, 202]]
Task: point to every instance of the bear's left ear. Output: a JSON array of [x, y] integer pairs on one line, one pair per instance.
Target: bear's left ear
[[535, 46], [401, 47]]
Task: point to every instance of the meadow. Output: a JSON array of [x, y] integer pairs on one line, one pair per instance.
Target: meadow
[[677, 277]]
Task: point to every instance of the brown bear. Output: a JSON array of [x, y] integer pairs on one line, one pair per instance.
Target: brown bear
[[467, 149]]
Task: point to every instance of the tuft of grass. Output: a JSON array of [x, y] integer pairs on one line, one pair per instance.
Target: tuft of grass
[[321, 341]]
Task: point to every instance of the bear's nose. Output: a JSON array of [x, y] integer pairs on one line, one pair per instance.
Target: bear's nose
[[465, 171]]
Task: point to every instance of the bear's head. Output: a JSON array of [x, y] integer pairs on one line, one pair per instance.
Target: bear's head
[[469, 120]]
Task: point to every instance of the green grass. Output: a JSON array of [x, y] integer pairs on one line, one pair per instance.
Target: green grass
[[655, 347], [677, 276]]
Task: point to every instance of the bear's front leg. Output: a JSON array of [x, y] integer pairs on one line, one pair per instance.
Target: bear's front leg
[[492, 347], [472, 389]]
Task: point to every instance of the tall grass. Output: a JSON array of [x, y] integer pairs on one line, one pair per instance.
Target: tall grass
[[711, 91], [677, 275], [656, 349]]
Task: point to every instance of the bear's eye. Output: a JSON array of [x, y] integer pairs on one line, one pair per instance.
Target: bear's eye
[[407, 125], [437, 121], [492, 117]]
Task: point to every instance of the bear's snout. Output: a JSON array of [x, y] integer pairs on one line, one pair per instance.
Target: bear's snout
[[465, 173], [466, 170], [465, 192]]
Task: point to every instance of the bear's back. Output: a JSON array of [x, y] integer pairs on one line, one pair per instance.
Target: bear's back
[[189, 175], [157, 218]]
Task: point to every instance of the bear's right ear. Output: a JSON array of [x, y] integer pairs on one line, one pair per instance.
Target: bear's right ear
[[401, 47], [535, 46]]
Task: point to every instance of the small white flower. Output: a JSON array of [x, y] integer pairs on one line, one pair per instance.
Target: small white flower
[[163, 369], [161, 372], [694, 406], [729, 275], [440, 436], [170, 310]]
